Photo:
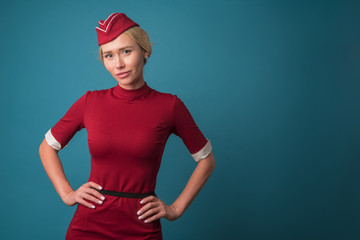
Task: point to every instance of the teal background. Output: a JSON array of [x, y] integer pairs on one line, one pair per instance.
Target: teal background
[[273, 84]]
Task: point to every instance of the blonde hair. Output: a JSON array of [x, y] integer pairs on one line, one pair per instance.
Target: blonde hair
[[140, 37]]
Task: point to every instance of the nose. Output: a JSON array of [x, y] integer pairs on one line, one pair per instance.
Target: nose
[[120, 62]]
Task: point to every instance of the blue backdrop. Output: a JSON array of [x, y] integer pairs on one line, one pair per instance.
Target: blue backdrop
[[273, 84]]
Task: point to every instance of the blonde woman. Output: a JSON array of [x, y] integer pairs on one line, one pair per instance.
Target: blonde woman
[[128, 126]]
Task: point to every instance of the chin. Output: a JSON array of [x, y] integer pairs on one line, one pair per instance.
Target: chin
[[127, 82], [124, 81]]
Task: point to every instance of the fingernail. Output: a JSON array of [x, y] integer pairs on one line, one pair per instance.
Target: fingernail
[[142, 201], [140, 217], [100, 187], [146, 221], [100, 202], [139, 212], [92, 206], [103, 198]]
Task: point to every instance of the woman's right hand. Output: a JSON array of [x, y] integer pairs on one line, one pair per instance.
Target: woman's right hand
[[86, 191]]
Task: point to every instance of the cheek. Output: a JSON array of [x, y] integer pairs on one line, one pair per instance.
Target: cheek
[[108, 67], [136, 62]]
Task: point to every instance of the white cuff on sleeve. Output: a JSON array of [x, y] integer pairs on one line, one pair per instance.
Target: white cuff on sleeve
[[203, 153], [52, 141]]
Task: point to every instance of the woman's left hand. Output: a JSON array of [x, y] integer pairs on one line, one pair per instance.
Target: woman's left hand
[[154, 209]]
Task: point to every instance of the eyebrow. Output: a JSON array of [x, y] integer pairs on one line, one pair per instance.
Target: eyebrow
[[110, 51]]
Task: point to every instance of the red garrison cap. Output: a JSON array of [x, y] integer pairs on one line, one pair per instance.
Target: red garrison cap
[[113, 26]]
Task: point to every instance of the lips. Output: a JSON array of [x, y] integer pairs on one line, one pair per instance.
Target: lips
[[123, 74]]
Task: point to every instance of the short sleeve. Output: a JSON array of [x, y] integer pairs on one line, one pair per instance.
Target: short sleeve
[[185, 127], [61, 133]]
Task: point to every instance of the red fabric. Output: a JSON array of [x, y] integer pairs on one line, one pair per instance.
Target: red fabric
[[127, 132], [112, 27]]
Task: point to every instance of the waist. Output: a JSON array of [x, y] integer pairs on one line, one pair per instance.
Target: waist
[[125, 194]]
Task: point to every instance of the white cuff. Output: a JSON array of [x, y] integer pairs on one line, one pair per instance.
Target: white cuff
[[52, 141], [203, 153]]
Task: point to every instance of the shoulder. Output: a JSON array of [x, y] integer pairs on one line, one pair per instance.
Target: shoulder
[[169, 102], [98, 93], [91, 96], [166, 98]]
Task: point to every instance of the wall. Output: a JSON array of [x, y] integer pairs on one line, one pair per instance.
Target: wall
[[273, 84]]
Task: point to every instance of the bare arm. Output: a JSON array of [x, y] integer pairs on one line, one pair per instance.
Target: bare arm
[[155, 208], [55, 171], [197, 180]]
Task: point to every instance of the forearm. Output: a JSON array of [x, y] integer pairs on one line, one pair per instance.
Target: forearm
[[197, 180], [54, 169]]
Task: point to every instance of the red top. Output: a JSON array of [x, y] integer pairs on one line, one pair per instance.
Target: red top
[[127, 132]]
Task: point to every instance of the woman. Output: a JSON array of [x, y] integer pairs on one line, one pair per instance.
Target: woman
[[128, 126]]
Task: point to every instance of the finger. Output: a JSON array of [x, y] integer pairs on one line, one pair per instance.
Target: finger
[[148, 199], [149, 213], [147, 207], [95, 193], [85, 203], [94, 185], [91, 198], [153, 218]]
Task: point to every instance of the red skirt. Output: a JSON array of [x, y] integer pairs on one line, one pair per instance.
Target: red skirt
[[116, 218]]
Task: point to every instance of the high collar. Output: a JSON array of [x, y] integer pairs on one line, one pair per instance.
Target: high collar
[[131, 95]]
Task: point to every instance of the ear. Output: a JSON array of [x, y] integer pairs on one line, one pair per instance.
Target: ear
[[146, 54]]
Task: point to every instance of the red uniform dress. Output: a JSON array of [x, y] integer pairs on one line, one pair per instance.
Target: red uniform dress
[[127, 132]]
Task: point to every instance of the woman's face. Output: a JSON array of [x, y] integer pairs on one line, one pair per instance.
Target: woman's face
[[124, 59]]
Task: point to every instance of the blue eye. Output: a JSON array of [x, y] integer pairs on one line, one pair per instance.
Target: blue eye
[[127, 51], [108, 55]]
